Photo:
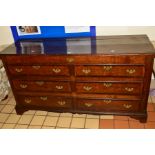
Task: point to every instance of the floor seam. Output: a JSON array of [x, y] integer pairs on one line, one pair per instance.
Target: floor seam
[[57, 122], [31, 120], [44, 121]]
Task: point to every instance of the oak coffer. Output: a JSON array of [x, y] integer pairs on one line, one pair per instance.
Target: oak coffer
[[95, 75]]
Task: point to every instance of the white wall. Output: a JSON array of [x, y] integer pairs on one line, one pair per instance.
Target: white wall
[[5, 35], [126, 30]]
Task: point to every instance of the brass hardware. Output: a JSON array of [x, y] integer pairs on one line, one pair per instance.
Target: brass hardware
[[23, 86], [44, 98], [107, 68], [129, 89], [70, 59], [127, 106], [86, 71], [130, 71], [56, 70], [107, 84], [107, 101], [61, 102], [59, 87], [18, 70], [88, 104], [27, 100], [36, 67], [40, 83], [87, 88]]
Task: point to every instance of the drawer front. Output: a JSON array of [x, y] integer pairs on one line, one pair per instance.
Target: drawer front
[[75, 59], [107, 105], [39, 70], [110, 70], [46, 101], [40, 59], [44, 86], [109, 87]]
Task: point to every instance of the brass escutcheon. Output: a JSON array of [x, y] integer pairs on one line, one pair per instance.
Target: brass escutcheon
[[107, 68], [18, 70], [40, 83], [127, 106], [56, 70], [88, 104], [130, 71], [129, 89], [86, 71], [23, 86], [44, 98], [36, 67], [59, 87], [61, 102], [87, 88], [27, 100], [107, 101], [107, 85], [69, 60]]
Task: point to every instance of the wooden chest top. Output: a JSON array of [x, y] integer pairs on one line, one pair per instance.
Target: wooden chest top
[[106, 45]]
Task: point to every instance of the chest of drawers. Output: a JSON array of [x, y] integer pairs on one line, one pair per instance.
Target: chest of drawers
[[112, 78]]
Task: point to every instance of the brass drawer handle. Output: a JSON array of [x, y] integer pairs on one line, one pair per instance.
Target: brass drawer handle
[[59, 87], [23, 86], [40, 83], [61, 103], [130, 71], [27, 100], [44, 98], [18, 70], [87, 88], [86, 71], [88, 104], [36, 67], [107, 68], [69, 60], [107, 85], [107, 101], [129, 89], [127, 106], [56, 70]]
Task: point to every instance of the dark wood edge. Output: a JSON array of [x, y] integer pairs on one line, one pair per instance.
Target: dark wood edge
[[141, 116], [147, 77]]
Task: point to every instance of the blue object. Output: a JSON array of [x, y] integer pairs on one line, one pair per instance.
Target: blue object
[[53, 45], [53, 32]]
